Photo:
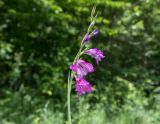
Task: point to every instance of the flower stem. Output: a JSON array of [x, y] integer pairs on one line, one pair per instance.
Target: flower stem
[[70, 78], [68, 98]]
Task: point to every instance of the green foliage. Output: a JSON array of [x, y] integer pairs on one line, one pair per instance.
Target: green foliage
[[38, 41]]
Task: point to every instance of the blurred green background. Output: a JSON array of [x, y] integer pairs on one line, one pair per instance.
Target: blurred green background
[[38, 42]]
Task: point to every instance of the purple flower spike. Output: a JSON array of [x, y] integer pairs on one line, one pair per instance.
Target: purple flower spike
[[82, 86], [95, 53], [95, 32], [81, 68]]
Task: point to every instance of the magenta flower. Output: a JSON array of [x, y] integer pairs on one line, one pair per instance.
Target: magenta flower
[[82, 86], [81, 68], [95, 53]]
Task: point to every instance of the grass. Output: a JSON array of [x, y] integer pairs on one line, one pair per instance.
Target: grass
[[130, 113]]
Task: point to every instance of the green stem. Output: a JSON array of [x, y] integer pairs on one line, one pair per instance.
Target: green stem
[[70, 78], [68, 98]]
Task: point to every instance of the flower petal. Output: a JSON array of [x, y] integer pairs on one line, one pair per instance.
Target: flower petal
[[88, 67], [82, 86], [73, 67], [86, 38], [95, 53], [95, 32]]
